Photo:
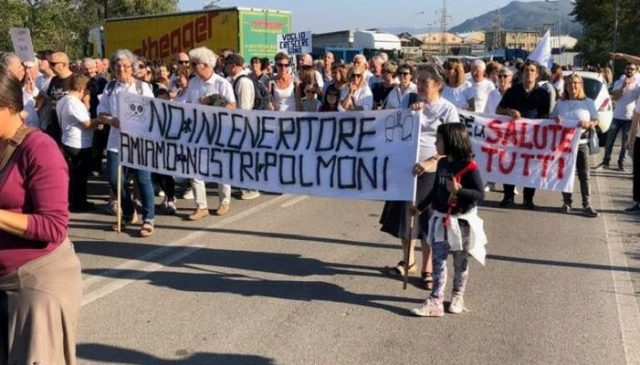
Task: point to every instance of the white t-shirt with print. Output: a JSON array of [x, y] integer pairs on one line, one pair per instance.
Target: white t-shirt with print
[[71, 112], [434, 114], [109, 105]]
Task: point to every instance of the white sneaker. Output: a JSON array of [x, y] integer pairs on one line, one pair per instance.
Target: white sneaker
[[431, 308], [171, 207], [249, 195], [457, 304], [515, 191]]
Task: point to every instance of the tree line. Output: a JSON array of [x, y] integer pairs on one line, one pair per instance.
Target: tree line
[[64, 24]]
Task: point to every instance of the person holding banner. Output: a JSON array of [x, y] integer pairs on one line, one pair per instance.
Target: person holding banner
[[40, 278], [108, 112], [207, 83], [397, 218], [575, 105], [454, 225], [524, 100]]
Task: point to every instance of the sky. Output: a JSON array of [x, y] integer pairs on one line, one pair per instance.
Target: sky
[[332, 15]]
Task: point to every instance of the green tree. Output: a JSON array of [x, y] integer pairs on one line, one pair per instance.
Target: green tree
[[597, 18], [64, 24]]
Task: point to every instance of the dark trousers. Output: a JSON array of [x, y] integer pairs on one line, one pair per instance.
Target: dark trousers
[[582, 170], [617, 125], [167, 184], [79, 162], [636, 170], [100, 138], [527, 194]]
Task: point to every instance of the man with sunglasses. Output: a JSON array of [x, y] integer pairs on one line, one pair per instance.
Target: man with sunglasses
[[59, 86], [625, 93]]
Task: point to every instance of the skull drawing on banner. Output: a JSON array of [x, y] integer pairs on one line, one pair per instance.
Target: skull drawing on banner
[[135, 110]]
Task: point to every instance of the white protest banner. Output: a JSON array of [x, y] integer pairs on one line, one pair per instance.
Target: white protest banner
[[537, 153], [295, 43], [353, 155], [22, 46]]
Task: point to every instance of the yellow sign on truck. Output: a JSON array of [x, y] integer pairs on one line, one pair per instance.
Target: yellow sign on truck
[[251, 32]]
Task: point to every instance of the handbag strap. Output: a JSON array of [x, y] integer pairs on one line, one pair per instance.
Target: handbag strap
[[8, 147]]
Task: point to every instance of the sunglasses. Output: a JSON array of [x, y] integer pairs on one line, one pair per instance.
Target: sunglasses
[[282, 65], [503, 76], [356, 75], [194, 64], [183, 62], [404, 73], [53, 64]]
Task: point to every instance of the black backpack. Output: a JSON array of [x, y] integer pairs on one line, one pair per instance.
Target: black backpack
[[262, 98]]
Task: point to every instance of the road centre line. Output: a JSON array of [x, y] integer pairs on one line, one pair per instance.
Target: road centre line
[[143, 267], [626, 299]]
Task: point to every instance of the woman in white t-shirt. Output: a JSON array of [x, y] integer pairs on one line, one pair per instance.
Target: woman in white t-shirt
[[356, 94], [576, 106], [456, 86], [396, 216], [77, 140]]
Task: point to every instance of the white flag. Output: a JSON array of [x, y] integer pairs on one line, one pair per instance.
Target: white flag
[[542, 52]]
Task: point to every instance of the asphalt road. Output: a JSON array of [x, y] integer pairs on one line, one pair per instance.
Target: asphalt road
[[296, 280]]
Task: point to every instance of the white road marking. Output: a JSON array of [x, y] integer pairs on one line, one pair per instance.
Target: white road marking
[[141, 266], [294, 201], [628, 313]]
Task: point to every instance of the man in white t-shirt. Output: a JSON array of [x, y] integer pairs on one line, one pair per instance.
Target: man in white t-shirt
[[625, 93], [207, 83], [77, 139], [478, 94]]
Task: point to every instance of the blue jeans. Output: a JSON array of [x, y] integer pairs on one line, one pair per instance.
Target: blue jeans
[[145, 187], [617, 125]]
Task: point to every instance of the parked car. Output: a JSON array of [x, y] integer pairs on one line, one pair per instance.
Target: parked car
[[595, 88]]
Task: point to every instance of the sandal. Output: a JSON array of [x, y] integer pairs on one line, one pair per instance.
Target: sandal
[[427, 280], [146, 230], [398, 270]]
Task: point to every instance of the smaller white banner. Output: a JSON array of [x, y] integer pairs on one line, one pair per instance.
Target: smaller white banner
[[22, 46], [295, 43], [536, 153]]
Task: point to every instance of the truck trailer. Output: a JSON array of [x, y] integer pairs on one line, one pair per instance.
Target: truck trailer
[[248, 31]]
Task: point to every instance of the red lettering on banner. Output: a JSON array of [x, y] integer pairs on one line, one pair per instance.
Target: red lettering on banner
[[494, 126], [555, 128], [506, 169], [566, 139], [174, 40], [525, 166], [187, 36], [510, 135], [561, 167], [490, 151], [536, 133], [545, 163], [523, 137]]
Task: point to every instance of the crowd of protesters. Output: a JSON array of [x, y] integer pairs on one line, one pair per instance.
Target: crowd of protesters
[[76, 104]]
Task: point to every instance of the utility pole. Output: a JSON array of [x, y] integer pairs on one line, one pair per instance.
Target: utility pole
[[496, 41], [444, 20]]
